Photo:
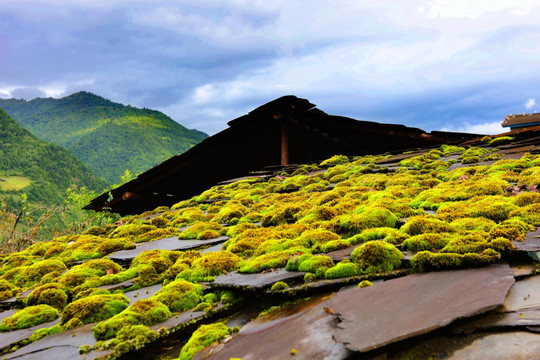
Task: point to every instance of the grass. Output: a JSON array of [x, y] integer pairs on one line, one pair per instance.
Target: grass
[[8, 183]]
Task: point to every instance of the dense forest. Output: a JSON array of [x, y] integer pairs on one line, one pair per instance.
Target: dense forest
[[41, 170], [107, 136]]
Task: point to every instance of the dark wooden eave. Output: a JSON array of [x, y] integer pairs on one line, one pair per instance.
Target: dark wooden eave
[[257, 140]]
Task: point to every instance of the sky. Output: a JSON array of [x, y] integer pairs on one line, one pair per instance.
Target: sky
[[455, 65]]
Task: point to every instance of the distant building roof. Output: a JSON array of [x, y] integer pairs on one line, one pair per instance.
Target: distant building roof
[[288, 130], [521, 120]]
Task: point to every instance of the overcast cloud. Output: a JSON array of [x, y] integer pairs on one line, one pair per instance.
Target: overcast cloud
[[439, 64]]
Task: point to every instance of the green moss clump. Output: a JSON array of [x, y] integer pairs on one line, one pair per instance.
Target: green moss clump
[[146, 312], [341, 270], [428, 241], [317, 237], [496, 210], [179, 295], [264, 262], [8, 290], [466, 224], [527, 198], [471, 243], [30, 275], [109, 246], [364, 284], [157, 234], [49, 294], [451, 149], [216, 263], [424, 224], [376, 256], [131, 230], [43, 332], [316, 264], [529, 214], [151, 266], [390, 235], [428, 261], [371, 217], [28, 317], [491, 157], [501, 140], [203, 337], [470, 160], [232, 210], [131, 338], [335, 160], [201, 231], [94, 308], [279, 285], [335, 245]]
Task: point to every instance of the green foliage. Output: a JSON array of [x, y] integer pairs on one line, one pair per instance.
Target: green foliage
[[202, 337], [107, 136], [28, 317]]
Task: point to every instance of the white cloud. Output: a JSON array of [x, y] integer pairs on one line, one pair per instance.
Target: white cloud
[[474, 9], [489, 128], [530, 103]]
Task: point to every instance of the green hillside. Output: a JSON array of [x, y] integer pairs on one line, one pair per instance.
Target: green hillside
[[108, 137], [37, 168]]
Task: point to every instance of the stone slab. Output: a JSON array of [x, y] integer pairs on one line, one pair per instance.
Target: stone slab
[[214, 248], [530, 243], [120, 285], [172, 243], [142, 293], [61, 346], [412, 305], [505, 346], [524, 294], [11, 337], [523, 270], [342, 254], [497, 321], [308, 331], [260, 281]]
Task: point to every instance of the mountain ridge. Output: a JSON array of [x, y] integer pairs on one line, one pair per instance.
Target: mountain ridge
[[40, 169], [109, 137]]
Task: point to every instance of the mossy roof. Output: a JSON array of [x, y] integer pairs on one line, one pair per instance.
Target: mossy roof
[[482, 212]]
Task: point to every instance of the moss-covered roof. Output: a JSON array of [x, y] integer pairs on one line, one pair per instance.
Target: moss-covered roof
[[289, 239]]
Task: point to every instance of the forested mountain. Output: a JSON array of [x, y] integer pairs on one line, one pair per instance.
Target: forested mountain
[[107, 136], [40, 169]]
